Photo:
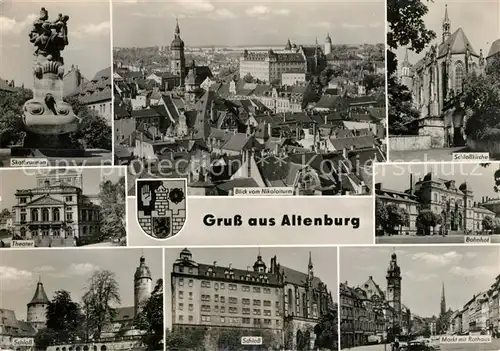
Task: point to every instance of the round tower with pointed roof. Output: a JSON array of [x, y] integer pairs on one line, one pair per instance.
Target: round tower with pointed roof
[[177, 59], [37, 308], [328, 44], [142, 284]]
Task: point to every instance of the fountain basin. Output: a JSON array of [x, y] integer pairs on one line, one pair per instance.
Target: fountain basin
[[58, 119]]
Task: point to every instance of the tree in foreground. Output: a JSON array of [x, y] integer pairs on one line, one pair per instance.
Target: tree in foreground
[[487, 223], [102, 293], [427, 219], [327, 331], [64, 322], [150, 318], [94, 131], [406, 27], [112, 212], [11, 111], [185, 339], [391, 216]]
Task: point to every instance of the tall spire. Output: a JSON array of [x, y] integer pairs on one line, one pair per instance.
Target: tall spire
[[310, 266], [446, 24], [443, 301], [177, 29]]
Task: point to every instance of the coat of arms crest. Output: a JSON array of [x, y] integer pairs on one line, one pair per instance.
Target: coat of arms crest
[[161, 206]]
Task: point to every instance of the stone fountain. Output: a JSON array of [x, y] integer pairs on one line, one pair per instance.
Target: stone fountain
[[47, 119]]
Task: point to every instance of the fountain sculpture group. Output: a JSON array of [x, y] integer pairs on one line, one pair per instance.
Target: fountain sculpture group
[[48, 120]]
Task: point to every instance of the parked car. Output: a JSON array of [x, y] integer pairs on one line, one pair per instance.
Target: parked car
[[419, 345]]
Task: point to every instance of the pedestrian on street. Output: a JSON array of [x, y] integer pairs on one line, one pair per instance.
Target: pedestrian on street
[[396, 345]]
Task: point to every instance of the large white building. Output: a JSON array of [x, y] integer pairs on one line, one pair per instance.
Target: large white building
[[56, 212]]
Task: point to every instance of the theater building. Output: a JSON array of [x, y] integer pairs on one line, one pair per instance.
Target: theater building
[[56, 212]]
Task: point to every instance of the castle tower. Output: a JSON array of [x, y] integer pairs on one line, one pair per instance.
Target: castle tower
[[177, 59], [142, 284], [328, 44], [446, 24], [406, 78], [394, 292], [37, 308], [443, 302]]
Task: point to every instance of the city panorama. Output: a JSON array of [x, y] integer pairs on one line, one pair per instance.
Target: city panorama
[[234, 96]]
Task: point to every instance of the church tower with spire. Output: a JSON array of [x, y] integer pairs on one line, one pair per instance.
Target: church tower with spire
[[443, 302], [394, 291], [446, 24], [310, 271], [406, 78], [177, 59], [142, 284], [37, 307]]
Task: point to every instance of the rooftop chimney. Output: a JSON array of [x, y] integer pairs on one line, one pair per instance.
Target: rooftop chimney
[[411, 184]]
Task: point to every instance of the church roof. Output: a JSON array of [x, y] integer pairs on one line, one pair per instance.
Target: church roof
[[495, 48], [299, 278], [201, 124], [40, 295], [458, 43]]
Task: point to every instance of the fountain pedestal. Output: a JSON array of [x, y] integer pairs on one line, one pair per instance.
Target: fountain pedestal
[[47, 118]]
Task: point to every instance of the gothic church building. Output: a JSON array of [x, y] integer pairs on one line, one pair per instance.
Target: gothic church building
[[436, 79]]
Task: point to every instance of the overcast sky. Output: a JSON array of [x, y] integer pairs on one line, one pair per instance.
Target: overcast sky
[[480, 179], [465, 271], [69, 269], [16, 179], [324, 262], [89, 36], [239, 23], [479, 19]]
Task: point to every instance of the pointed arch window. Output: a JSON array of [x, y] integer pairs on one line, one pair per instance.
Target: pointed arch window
[[459, 77]]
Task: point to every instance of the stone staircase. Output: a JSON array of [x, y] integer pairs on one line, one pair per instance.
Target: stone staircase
[[47, 241]]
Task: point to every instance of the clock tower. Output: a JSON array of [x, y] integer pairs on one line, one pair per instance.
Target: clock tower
[[394, 293]]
